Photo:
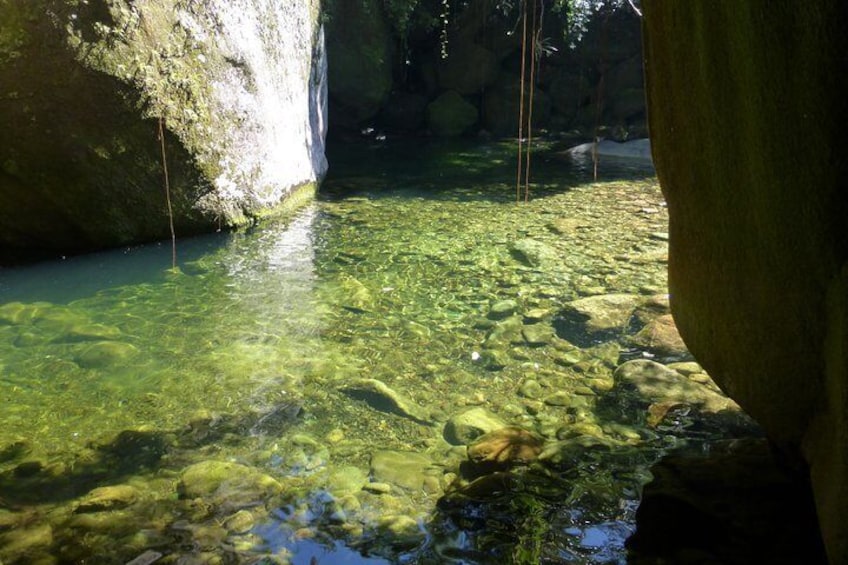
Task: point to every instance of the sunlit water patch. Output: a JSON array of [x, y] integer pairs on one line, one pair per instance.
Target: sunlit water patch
[[305, 391]]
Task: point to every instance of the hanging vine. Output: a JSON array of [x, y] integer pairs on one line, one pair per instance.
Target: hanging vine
[[168, 193], [536, 9], [521, 100]]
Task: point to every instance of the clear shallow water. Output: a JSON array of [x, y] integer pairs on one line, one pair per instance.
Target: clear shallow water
[[115, 370]]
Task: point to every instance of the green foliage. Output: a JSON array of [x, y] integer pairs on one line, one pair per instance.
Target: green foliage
[[400, 13], [404, 16]]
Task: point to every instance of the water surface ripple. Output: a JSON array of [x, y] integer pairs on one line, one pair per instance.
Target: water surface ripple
[[227, 411]]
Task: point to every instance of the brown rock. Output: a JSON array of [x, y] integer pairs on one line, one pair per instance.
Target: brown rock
[[505, 447], [661, 336]]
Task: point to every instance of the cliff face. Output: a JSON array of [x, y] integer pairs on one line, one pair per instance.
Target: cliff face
[[746, 109], [239, 86]]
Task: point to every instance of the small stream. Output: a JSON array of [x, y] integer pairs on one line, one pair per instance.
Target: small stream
[[294, 392]]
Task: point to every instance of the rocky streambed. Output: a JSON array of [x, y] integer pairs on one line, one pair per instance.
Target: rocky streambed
[[414, 368]]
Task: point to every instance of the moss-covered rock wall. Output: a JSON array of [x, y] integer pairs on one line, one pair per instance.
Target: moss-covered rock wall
[[359, 44], [384, 79], [747, 107], [239, 86]]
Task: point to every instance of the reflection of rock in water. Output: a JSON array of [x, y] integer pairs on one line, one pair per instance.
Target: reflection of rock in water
[[735, 505], [277, 419]]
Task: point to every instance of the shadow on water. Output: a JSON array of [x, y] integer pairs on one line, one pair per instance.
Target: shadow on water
[[81, 276], [453, 169], [131, 453]]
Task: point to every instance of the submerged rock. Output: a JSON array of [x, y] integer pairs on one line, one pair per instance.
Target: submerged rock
[[660, 336], [593, 319], [502, 309], [534, 253], [241, 522], [91, 332], [277, 419], [226, 484], [15, 450], [506, 332], [568, 226], [465, 427], [345, 480], [505, 448], [537, 335], [572, 451], [105, 353], [380, 397], [401, 530], [656, 383], [108, 498], [13, 313], [405, 469], [358, 298], [26, 541]]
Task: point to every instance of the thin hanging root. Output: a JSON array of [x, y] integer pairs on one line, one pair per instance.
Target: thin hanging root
[[535, 37], [168, 194], [600, 96], [521, 100]]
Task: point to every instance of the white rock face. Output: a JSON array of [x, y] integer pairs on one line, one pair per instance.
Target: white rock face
[[237, 87], [635, 149], [273, 96], [241, 83]]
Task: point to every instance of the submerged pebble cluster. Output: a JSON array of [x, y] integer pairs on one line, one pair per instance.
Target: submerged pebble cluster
[[412, 368]]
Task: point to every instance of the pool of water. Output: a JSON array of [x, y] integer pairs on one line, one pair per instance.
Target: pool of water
[[283, 395]]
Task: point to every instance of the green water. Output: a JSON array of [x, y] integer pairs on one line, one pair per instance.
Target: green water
[[115, 370]]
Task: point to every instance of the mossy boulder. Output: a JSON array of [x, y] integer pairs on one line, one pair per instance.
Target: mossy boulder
[[502, 102], [747, 115], [360, 53], [468, 68], [237, 89], [404, 112], [450, 115]]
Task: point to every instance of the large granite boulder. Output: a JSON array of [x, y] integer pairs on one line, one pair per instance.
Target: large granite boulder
[[747, 111], [238, 87]]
